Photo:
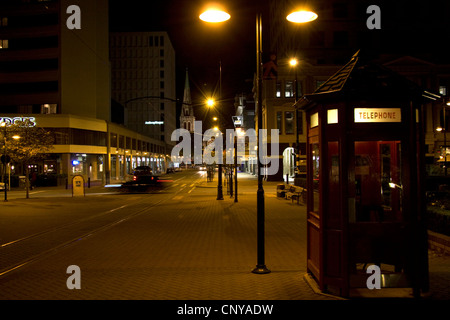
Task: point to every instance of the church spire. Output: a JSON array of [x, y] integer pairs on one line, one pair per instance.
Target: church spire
[[187, 91], [187, 119]]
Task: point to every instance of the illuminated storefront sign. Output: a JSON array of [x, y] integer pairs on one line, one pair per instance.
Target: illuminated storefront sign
[[378, 115], [154, 122], [10, 121]]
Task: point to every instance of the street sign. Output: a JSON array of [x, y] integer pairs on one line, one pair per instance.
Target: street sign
[[5, 159], [238, 121]]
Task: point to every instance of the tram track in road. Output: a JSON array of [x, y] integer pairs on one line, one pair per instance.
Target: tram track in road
[[21, 252]]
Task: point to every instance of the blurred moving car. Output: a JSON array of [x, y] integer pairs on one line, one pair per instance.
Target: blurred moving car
[[2, 186], [142, 179], [142, 170]]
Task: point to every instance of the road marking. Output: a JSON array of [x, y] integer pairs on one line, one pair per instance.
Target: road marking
[[34, 192], [191, 190], [177, 198]]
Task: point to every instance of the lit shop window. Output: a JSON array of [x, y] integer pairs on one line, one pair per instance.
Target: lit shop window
[[48, 108], [289, 89]]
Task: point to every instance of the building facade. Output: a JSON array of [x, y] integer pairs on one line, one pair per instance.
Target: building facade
[[323, 46], [46, 68], [143, 81], [60, 78]]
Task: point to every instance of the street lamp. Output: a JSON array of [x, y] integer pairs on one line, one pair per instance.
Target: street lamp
[[299, 16], [302, 16], [294, 62]]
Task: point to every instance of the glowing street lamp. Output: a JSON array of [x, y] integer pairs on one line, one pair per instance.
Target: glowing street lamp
[[293, 62], [302, 16], [214, 16]]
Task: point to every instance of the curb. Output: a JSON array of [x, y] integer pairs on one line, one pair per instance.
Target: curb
[[439, 242]]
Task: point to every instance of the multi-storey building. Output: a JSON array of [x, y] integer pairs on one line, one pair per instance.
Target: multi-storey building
[[143, 81], [60, 76]]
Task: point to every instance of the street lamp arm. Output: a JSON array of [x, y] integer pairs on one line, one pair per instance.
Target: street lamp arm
[[151, 97]]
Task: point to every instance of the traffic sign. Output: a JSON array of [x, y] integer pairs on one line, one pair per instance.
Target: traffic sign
[[237, 121]]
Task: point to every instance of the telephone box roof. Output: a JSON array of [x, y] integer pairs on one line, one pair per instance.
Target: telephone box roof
[[365, 81]]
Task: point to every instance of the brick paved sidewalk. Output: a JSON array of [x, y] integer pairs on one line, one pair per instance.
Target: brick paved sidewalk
[[194, 248]]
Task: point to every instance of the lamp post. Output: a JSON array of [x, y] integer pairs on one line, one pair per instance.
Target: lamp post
[[294, 62], [220, 169], [216, 16]]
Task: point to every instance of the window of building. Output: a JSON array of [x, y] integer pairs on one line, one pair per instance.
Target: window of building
[[161, 53], [289, 122], [113, 138], [161, 84], [443, 90], [150, 41], [161, 74], [48, 108], [161, 63], [3, 21], [278, 89], [289, 89], [161, 41], [319, 83], [4, 44], [279, 121], [156, 42]]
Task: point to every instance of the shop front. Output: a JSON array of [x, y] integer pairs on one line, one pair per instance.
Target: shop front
[[98, 150]]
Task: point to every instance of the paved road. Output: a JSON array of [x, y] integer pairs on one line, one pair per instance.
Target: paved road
[[178, 243]]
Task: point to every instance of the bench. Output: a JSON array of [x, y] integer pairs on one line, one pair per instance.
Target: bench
[[295, 193]]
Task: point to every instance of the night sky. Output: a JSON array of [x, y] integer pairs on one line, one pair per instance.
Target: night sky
[[417, 28], [200, 47]]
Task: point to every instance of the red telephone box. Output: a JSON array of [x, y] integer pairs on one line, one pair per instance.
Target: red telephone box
[[365, 182]]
